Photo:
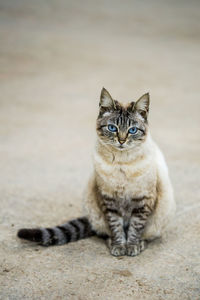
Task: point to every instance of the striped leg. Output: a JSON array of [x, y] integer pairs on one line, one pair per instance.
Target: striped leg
[[117, 243], [136, 226]]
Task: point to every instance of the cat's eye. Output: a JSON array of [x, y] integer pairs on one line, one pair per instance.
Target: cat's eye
[[112, 128], [133, 130]]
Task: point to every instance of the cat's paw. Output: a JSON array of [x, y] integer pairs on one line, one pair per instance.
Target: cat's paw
[[118, 250], [136, 249]]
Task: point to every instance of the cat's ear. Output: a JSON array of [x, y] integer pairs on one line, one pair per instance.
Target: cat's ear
[[106, 101], [142, 105]]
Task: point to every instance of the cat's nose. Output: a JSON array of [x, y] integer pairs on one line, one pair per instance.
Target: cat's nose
[[122, 141]]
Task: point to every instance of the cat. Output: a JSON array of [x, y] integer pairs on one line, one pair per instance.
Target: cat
[[129, 197]]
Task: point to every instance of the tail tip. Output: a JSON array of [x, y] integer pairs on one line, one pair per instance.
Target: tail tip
[[23, 233], [34, 235]]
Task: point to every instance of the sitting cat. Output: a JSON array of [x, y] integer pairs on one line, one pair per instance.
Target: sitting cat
[[129, 197]]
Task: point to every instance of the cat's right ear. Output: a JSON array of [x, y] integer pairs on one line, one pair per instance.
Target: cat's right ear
[[106, 101], [142, 105]]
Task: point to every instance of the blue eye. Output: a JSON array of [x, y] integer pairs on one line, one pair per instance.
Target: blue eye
[[133, 130], [112, 128]]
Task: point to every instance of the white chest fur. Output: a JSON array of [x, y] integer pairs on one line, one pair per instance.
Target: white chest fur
[[136, 178]]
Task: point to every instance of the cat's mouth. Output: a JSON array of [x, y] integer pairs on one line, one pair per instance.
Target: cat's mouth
[[121, 147]]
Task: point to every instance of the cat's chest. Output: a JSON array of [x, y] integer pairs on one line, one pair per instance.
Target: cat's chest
[[126, 180]]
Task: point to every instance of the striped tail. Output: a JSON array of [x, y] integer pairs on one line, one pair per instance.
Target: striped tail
[[69, 232]]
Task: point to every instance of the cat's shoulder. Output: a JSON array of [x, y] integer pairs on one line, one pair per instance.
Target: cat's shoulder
[[159, 159]]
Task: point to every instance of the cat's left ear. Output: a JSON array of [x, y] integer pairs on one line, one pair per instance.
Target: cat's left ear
[[142, 105], [106, 101]]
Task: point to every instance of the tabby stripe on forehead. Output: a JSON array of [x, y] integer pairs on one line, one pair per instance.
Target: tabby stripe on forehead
[[122, 120], [117, 121], [125, 121]]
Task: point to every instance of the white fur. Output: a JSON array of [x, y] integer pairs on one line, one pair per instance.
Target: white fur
[[106, 114]]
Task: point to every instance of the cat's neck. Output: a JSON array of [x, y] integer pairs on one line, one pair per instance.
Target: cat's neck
[[113, 155]]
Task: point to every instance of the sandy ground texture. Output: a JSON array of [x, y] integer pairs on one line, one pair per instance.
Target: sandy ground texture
[[55, 56]]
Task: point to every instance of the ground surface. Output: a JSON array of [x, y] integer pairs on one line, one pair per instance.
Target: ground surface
[[55, 57]]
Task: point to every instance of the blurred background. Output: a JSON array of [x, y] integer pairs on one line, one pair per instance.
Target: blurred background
[[55, 56]]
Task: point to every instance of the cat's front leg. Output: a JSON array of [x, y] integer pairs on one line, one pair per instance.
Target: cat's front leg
[[135, 248], [135, 245], [117, 241]]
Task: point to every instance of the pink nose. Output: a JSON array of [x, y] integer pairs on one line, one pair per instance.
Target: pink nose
[[122, 141]]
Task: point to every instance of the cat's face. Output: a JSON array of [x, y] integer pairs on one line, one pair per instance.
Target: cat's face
[[122, 127]]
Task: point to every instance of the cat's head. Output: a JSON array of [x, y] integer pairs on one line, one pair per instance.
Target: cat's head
[[122, 127]]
